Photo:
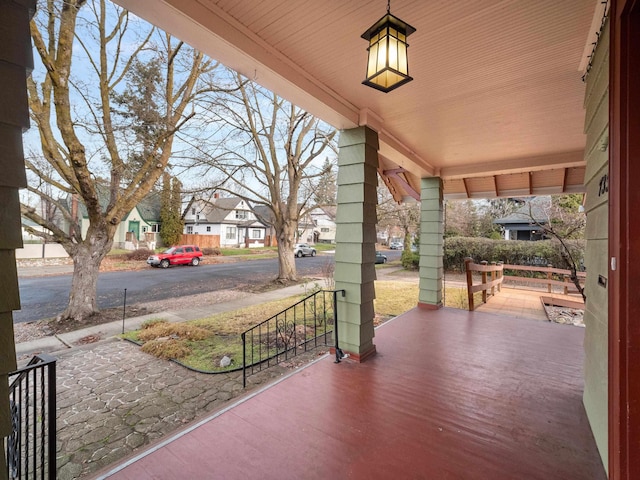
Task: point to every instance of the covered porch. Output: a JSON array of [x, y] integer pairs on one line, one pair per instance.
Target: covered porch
[[450, 394]]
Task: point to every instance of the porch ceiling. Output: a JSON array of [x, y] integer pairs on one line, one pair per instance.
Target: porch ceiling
[[496, 105]]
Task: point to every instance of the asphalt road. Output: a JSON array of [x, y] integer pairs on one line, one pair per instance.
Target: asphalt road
[[46, 297]]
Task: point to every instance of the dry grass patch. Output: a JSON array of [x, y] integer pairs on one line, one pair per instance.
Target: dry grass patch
[[201, 344], [176, 331], [167, 348]]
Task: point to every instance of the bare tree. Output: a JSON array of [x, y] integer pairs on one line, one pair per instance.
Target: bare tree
[[267, 151], [103, 154], [564, 221], [461, 218], [405, 215]]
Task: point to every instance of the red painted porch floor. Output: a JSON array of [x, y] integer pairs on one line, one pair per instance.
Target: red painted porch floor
[[449, 395]]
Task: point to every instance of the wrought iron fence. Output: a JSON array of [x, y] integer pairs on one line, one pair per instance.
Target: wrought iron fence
[[303, 326], [31, 448]]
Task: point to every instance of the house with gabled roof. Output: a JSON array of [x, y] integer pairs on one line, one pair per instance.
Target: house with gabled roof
[[324, 223], [140, 228], [230, 219], [525, 222]]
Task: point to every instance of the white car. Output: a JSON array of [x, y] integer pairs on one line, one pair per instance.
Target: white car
[[303, 249], [396, 246]]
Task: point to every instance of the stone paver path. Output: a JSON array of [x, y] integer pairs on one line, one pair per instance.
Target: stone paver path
[[114, 399]]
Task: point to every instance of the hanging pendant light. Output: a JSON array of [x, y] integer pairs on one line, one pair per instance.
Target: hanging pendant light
[[387, 67]]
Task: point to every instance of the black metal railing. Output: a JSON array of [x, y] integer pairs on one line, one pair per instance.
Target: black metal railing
[[31, 448], [303, 326]]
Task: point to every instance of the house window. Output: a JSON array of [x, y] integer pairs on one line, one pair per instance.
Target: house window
[[155, 228], [324, 229], [193, 211], [197, 217], [256, 233], [241, 214], [144, 229], [208, 229], [231, 233], [189, 229]]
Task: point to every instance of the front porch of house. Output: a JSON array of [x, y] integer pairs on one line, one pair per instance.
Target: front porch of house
[[449, 394]]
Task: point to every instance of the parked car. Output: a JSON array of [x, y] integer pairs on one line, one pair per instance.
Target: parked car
[[303, 249], [396, 246], [179, 255], [380, 258]]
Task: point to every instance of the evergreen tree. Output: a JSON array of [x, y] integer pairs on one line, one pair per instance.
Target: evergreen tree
[[170, 214], [326, 190]]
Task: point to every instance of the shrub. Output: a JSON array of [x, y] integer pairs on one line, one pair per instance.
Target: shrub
[[515, 252], [140, 254], [410, 260], [210, 251]]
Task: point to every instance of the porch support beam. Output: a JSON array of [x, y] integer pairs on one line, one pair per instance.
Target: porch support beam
[[355, 240], [431, 243]]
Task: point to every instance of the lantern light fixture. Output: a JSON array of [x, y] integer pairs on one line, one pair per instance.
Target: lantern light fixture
[[387, 66]]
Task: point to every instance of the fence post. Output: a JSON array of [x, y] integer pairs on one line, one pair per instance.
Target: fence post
[[244, 359], [467, 263], [566, 287], [549, 278], [484, 282], [500, 275], [52, 444]]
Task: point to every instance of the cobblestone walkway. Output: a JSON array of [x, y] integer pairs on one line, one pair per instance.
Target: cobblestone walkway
[[114, 399]]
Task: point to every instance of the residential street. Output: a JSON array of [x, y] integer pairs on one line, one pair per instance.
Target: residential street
[[47, 296]]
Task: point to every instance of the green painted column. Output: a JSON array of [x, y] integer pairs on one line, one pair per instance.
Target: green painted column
[[431, 243], [356, 240]]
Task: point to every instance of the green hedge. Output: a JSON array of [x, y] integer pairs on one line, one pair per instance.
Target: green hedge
[[515, 252]]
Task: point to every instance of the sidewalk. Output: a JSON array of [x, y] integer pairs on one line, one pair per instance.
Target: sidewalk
[[64, 341]]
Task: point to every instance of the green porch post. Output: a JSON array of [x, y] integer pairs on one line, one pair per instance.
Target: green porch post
[[431, 243], [355, 240]]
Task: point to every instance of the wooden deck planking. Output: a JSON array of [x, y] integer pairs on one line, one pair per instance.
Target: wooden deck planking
[[450, 394]]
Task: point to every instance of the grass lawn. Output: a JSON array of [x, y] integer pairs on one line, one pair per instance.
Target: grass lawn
[[324, 247], [201, 344]]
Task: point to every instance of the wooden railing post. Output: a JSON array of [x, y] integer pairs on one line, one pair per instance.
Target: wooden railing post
[[500, 274], [493, 277], [467, 262], [566, 287], [484, 280], [549, 278]]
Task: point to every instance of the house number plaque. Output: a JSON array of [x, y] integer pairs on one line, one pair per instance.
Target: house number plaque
[[603, 185]]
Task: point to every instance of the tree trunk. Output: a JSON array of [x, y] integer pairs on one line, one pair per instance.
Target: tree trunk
[[286, 259], [86, 266]]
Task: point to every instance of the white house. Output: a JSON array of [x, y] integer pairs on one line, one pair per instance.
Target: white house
[[230, 219], [324, 221]]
